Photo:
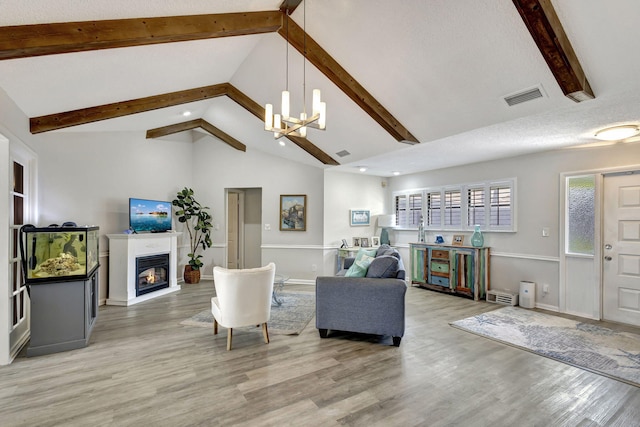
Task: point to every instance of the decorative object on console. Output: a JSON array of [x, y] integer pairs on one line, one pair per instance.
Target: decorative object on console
[[421, 231], [384, 223], [356, 242], [293, 212], [359, 217], [458, 240], [364, 242], [477, 239], [197, 220], [375, 241], [439, 239]]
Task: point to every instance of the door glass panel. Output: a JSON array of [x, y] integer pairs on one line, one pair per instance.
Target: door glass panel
[[581, 214]]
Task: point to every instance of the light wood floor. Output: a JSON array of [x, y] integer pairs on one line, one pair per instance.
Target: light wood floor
[[143, 368]]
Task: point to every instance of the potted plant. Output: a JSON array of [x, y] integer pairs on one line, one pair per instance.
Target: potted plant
[[197, 221]]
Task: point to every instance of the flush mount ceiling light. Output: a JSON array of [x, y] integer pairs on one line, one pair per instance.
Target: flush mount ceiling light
[[362, 168], [186, 113], [618, 133], [284, 124]]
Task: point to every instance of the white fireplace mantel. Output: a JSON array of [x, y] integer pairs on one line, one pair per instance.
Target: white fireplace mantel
[[123, 251]]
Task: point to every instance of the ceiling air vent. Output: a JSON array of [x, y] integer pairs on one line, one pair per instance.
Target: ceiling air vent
[[343, 153], [524, 96]]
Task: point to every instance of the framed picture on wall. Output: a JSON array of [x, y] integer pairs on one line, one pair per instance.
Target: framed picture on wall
[[359, 217], [293, 212]]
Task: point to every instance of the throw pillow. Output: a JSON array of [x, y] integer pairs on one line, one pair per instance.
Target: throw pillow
[[361, 264], [383, 267]]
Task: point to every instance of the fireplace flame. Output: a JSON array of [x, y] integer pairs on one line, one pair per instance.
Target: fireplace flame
[[151, 278]]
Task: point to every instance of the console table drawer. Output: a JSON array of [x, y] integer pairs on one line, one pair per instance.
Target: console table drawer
[[441, 267], [442, 281], [439, 253]]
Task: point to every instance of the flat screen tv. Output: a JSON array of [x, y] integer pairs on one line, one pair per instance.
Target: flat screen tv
[[149, 216]]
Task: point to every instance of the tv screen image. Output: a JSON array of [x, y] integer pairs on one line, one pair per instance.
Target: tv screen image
[[150, 216]]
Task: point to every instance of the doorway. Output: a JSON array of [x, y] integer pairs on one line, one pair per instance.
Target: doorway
[[244, 227], [621, 248]]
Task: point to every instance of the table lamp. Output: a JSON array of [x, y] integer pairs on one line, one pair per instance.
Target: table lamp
[[385, 222]]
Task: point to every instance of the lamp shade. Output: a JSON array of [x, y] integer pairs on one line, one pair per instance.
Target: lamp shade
[[386, 220]]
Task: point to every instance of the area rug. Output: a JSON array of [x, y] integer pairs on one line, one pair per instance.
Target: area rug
[[584, 345], [289, 318]]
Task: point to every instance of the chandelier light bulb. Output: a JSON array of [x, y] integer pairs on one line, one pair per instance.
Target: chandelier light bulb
[[268, 117], [285, 105]]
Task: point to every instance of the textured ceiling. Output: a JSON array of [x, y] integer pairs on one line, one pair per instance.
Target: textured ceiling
[[441, 67]]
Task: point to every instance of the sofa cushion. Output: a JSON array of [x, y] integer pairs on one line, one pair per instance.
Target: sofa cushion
[[384, 266], [387, 250], [361, 264]]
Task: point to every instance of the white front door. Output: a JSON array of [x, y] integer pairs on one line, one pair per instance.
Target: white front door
[[621, 248]]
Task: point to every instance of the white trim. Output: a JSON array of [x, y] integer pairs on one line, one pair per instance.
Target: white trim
[[279, 246], [525, 256], [548, 307]]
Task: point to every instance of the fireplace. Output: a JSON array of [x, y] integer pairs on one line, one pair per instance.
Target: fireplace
[[152, 273]]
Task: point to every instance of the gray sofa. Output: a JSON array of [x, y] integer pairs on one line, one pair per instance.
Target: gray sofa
[[372, 305]]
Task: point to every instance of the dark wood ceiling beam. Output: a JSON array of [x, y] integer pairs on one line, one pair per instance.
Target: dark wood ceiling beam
[[544, 25], [221, 135], [288, 6], [171, 129], [120, 109], [193, 124], [257, 110], [49, 39], [328, 66]]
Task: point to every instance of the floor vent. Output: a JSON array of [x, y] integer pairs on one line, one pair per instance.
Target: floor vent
[[525, 96], [500, 297], [343, 153]]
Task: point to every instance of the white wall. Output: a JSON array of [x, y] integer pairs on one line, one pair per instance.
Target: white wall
[[219, 167], [525, 254]]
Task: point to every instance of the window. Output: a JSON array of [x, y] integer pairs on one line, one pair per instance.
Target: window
[[500, 206], [434, 213], [488, 204], [475, 206], [580, 194], [408, 209], [452, 208]]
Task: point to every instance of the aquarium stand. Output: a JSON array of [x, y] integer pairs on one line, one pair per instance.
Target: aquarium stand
[[62, 315]]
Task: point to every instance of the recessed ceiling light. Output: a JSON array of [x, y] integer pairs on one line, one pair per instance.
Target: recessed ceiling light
[[618, 133], [396, 173], [186, 113], [281, 142], [362, 169]]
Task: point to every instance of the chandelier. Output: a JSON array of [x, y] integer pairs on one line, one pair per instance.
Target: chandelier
[[284, 124]]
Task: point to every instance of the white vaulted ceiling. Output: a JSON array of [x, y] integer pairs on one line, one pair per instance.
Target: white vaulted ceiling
[[440, 67]]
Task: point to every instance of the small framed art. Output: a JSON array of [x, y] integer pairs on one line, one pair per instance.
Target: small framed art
[[359, 217], [293, 212], [458, 240], [365, 242], [375, 241], [356, 242]]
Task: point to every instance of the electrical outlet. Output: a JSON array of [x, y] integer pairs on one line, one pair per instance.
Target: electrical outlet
[[545, 231], [545, 288], [314, 267]]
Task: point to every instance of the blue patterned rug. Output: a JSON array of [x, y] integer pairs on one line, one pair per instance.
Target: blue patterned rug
[[584, 345], [290, 318]]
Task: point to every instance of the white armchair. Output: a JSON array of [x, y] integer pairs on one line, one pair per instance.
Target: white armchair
[[243, 298]]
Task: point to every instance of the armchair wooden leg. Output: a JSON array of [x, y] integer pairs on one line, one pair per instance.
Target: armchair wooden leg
[[265, 332], [215, 326], [229, 338]]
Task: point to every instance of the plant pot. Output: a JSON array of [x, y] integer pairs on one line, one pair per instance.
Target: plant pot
[[191, 276]]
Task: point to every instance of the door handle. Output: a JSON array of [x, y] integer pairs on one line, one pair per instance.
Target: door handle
[[607, 258]]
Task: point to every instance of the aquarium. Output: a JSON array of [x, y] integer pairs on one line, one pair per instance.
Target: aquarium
[[58, 253]]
